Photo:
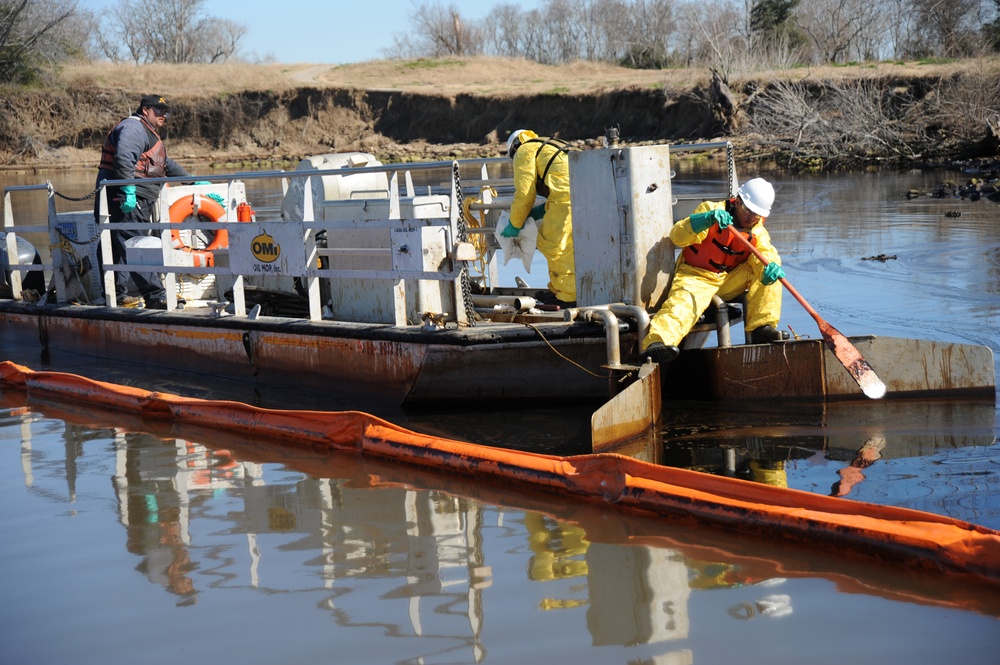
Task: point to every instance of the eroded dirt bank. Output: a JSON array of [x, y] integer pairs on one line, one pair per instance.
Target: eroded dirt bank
[[396, 126], [49, 128]]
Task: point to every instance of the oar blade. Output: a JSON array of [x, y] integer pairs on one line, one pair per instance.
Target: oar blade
[[871, 385], [853, 362]]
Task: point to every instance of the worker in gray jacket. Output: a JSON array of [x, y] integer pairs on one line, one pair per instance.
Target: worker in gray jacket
[[133, 149]]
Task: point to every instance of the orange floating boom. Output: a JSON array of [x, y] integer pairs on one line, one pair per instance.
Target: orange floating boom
[[898, 535]]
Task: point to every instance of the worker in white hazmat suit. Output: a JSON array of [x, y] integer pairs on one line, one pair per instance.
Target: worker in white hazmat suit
[[713, 262], [542, 169]]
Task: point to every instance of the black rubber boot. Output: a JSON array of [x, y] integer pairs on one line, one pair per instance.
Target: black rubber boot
[[660, 353], [766, 335]]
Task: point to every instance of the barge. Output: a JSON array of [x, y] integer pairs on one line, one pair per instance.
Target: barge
[[385, 283]]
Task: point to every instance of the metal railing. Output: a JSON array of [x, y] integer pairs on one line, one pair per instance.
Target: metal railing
[[400, 192]]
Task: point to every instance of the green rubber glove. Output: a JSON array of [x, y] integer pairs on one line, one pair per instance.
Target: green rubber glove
[[129, 203], [217, 198], [772, 273], [702, 220], [510, 231], [203, 182], [537, 212]]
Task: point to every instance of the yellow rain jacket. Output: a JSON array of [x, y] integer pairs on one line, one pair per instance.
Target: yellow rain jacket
[[555, 232], [692, 288]]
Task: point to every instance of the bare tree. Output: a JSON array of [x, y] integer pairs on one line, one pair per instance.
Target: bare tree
[[630, 31], [713, 31], [502, 31], [595, 16], [991, 26], [174, 31], [649, 25], [897, 27], [564, 29], [535, 38], [837, 27], [727, 35], [947, 27], [224, 41], [442, 31], [39, 32]]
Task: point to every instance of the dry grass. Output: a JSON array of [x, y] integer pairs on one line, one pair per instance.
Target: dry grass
[[453, 75], [438, 76], [176, 80]]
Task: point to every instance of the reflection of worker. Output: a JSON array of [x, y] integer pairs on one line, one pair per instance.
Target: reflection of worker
[[852, 474], [769, 472], [712, 262], [152, 513], [541, 168], [556, 549], [133, 149], [169, 563]]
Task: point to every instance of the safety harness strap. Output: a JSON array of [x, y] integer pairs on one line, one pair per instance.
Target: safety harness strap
[[561, 148]]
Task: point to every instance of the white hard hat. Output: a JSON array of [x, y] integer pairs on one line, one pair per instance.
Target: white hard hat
[[758, 195], [515, 136]]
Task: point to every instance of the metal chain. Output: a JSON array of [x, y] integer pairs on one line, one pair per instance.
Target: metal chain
[[731, 162], [463, 236], [77, 198], [81, 243]]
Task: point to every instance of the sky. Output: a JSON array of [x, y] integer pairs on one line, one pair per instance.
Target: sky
[[324, 31]]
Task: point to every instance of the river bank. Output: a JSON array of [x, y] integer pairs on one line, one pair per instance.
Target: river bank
[[884, 116]]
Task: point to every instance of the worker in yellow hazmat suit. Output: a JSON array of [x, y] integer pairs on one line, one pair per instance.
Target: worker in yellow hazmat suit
[[542, 169], [713, 262]]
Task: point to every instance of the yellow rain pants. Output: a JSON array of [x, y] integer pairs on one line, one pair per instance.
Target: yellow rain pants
[[555, 232], [691, 289]]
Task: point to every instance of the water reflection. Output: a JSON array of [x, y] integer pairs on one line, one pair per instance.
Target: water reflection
[[414, 566]]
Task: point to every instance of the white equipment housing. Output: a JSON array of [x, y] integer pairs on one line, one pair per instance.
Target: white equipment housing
[[622, 206]]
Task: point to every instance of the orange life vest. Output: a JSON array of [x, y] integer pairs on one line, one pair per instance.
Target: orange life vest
[[151, 164], [719, 252]]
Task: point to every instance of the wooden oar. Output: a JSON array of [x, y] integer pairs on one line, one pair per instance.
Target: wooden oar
[[846, 353]]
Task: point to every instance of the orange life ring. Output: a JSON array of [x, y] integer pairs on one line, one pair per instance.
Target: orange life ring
[[196, 204]]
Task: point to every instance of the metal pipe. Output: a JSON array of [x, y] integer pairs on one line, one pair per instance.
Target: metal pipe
[[520, 303], [632, 312], [722, 322], [635, 313], [695, 147], [495, 205], [574, 313], [610, 332]]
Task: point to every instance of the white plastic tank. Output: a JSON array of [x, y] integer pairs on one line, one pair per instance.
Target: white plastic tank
[[334, 187]]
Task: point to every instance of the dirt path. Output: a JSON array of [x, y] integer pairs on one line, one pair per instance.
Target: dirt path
[[310, 74]]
